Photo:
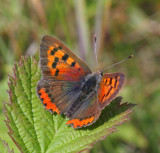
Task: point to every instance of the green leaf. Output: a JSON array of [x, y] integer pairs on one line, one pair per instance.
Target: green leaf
[[34, 129], [4, 148]]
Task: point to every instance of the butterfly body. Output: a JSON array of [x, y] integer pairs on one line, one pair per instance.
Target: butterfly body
[[69, 87], [91, 82]]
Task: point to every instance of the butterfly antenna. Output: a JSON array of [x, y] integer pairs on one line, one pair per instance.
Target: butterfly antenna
[[95, 50], [129, 57]]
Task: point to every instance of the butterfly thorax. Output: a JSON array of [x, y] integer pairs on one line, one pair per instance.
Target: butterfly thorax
[[91, 83]]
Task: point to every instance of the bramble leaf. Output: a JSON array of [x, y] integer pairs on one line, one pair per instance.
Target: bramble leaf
[[4, 147], [34, 129]]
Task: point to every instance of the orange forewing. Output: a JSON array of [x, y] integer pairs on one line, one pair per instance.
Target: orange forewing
[[58, 62]]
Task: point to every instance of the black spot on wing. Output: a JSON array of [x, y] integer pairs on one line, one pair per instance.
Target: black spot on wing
[[60, 47], [54, 51], [115, 82], [108, 91], [103, 97], [44, 104], [110, 81], [73, 64], [57, 72], [56, 59], [54, 64], [65, 57]]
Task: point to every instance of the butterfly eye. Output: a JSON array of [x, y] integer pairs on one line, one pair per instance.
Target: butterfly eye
[[102, 73]]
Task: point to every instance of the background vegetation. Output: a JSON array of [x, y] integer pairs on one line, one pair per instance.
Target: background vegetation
[[123, 27]]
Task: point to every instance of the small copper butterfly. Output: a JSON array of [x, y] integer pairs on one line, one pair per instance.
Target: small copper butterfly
[[69, 87]]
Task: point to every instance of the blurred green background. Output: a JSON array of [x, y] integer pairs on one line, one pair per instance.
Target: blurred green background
[[123, 27]]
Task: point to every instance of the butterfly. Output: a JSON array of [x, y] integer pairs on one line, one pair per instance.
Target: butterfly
[[69, 87]]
